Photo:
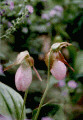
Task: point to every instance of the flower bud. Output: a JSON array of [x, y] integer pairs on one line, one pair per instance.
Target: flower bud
[[58, 70], [23, 77]]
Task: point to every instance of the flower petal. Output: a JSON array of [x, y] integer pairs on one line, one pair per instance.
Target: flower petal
[[37, 73], [72, 84], [58, 46], [58, 70], [19, 59], [23, 77], [64, 61], [21, 56]]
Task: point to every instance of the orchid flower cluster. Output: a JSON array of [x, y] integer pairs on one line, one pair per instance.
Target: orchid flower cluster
[[23, 76], [55, 62]]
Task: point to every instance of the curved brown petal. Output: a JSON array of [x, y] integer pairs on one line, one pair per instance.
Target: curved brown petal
[[20, 57], [37, 73], [64, 61], [9, 67]]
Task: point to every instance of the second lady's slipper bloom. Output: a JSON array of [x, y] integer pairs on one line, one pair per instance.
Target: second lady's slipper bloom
[[23, 77], [58, 70], [57, 61]]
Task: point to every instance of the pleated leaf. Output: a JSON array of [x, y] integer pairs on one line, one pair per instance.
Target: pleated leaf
[[10, 102]]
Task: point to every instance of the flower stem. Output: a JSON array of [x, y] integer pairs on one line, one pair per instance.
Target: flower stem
[[25, 97], [46, 90]]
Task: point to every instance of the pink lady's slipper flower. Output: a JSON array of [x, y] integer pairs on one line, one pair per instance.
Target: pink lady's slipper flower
[[57, 61], [23, 76]]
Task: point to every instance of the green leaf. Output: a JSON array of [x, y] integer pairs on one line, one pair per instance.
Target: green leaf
[[79, 62], [60, 115], [50, 110], [10, 102], [53, 81]]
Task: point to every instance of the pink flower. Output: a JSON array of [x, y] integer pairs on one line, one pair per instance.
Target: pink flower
[[61, 83], [72, 84], [58, 70], [46, 118], [23, 77], [58, 8], [52, 13], [11, 5], [25, 30], [29, 8], [57, 61], [45, 16]]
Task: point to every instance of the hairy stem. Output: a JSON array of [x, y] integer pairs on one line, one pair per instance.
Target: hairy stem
[[46, 90], [25, 97]]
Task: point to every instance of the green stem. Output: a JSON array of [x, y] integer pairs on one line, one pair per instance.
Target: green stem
[[46, 90], [25, 97]]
